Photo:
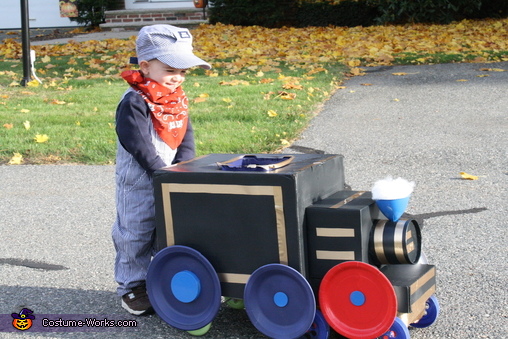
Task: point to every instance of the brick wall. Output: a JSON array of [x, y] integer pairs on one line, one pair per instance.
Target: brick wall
[[153, 16]]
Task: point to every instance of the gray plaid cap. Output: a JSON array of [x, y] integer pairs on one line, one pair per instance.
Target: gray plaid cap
[[168, 44]]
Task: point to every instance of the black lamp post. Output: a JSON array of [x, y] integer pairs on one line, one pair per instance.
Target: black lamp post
[[25, 41]]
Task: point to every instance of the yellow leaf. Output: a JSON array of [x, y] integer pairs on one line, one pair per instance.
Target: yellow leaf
[[399, 73], [200, 99], [492, 69], [228, 100], [58, 102], [466, 176], [24, 110], [196, 84], [17, 159], [27, 124], [204, 95], [462, 80], [260, 74], [40, 138], [357, 71], [271, 113], [45, 59], [367, 84], [266, 81], [33, 83], [78, 123]]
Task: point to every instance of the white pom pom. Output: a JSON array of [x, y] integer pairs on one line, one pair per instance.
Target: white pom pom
[[390, 189]]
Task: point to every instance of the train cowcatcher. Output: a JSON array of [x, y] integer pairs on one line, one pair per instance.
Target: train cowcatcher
[[282, 236]]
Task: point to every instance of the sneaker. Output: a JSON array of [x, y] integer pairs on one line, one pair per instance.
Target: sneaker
[[136, 301]]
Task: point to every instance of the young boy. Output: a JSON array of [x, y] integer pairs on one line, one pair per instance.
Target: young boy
[[154, 131]]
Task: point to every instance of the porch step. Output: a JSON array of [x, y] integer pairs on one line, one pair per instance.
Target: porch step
[[135, 19]]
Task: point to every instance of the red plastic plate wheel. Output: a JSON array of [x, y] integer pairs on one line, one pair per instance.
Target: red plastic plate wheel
[[357, 300]]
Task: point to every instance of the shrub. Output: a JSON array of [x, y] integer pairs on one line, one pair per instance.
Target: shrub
[[266, 13], [424, 11], [91, 13], [344, 13]]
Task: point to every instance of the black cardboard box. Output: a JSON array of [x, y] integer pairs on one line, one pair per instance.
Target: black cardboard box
[[241, 221], [338, 231]]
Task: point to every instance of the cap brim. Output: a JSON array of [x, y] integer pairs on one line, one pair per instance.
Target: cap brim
[[183, 61]]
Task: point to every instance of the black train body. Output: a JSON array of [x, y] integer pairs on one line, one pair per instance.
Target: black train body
[[241, 219]]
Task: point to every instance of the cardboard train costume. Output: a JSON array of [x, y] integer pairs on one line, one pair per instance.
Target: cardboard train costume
[[281, 233]]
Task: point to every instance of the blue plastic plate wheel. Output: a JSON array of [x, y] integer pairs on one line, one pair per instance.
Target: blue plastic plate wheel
[[319, 328], [357, 300], [398, 330], [183, 288], [279, 301], [431, 313]]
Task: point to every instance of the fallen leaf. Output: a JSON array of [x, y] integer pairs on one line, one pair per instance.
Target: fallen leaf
[[200, 99], [40, 138], [287, 96], [492, 70], [27, 124], [366, 84], [399, 73], [467, 176], [266, 81], [58, 102], [17, 159], [271, 113], [8, 126]]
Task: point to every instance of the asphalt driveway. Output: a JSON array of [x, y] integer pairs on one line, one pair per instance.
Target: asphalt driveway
[[426, 124]]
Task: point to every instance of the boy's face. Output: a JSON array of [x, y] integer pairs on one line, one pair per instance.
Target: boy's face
[[165, 75]]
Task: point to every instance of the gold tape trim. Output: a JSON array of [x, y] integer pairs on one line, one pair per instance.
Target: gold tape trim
[[349, 199], [233, 278], [281, 224], [335, 255], [422, 281], [398, 241], [168, 216], [274, 191], [335, 232], [417, 307], [378, 241]]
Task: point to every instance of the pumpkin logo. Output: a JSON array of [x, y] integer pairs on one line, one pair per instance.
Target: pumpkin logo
[[22, 320]]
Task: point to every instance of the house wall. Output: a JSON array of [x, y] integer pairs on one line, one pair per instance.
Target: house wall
[[150, 4], [41, 13], [46, 13]]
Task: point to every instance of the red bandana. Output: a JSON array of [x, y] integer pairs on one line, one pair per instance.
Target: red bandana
[[169, 110]]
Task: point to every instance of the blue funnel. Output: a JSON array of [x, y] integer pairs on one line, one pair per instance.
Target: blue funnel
[[393, 209]]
